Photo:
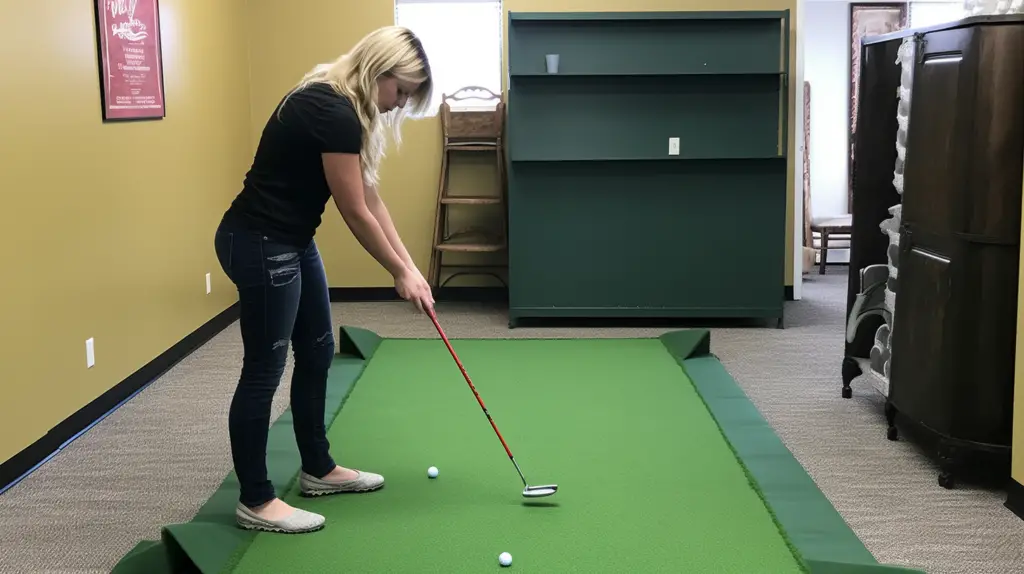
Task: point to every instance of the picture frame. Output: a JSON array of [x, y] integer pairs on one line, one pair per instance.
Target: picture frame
[[130, 50]]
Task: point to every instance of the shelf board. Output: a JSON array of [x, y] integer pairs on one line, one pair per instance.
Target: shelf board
[[562, 17], [570, 74], [471, 247], [666, 158], [452, 247], [471, 147], [471, 200], [471, 241]]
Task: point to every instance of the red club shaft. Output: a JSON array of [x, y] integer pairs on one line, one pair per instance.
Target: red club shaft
[[440, 331]]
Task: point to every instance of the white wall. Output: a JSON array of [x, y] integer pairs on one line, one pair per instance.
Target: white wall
[[827, 68]]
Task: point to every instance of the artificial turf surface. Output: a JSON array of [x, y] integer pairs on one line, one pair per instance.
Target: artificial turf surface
[[647, 481]]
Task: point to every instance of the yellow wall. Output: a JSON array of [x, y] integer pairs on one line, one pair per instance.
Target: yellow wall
[[122, 251], [409, 178], [289, 38]]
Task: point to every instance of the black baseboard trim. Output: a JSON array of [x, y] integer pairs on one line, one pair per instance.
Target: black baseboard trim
[[441, 295], [788, 293], [1015, 498], [25, 462]]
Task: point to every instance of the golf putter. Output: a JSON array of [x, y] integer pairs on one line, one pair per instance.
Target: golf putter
[[528, 491]]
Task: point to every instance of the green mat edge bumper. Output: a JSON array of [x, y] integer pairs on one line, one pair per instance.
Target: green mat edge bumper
[[820, 538], [818, 535]]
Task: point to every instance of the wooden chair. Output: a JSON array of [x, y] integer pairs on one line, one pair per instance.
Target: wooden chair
[[819, 231], [470, 131]]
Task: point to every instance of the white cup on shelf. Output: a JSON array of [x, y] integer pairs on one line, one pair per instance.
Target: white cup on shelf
[[551, 61]]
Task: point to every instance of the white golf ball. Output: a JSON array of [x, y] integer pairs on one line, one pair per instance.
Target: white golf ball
[[505, 559], [432, 472]]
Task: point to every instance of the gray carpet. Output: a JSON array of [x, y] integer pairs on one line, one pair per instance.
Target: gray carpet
[[158, 458]]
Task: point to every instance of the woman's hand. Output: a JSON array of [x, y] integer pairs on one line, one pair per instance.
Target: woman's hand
[[412, 287]]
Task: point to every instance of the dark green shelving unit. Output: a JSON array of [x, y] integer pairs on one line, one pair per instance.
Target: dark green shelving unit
[[603, 220]]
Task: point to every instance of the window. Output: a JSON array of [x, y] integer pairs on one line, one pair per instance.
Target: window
[[463, 41]]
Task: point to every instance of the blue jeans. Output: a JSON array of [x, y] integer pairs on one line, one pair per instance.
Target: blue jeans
[[283, 298]]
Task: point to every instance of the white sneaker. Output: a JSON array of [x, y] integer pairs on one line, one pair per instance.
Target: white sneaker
[[298, 521], [363, 482]]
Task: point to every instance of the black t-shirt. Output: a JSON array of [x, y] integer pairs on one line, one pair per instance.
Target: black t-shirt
[[285, 191]]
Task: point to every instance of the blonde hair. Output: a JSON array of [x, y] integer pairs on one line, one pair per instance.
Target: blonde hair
[[394, 51]]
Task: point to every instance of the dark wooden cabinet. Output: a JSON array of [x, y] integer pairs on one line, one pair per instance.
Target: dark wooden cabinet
[[954, 325], [873, 195]]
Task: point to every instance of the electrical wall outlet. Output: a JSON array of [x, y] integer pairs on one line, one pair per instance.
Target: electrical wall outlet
[[673, 146], [208, 286], [90, 353]]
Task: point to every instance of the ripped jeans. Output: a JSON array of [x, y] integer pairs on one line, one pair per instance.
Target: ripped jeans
[[283, 299]]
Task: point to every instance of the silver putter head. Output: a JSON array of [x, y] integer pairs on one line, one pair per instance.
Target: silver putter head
[[540, 491]]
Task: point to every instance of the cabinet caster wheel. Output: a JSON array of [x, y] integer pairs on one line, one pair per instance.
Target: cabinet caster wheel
[[847, 392], [892, 433], [946, 480]]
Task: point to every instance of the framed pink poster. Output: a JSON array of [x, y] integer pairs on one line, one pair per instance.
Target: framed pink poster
[[131, 63]]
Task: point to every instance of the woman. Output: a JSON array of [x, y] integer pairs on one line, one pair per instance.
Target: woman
[[325, 140]]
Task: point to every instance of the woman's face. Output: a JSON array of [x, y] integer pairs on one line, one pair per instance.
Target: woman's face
[[393, 93]]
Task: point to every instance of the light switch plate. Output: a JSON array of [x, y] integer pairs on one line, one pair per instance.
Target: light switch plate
[[90, 353], [673, 146]]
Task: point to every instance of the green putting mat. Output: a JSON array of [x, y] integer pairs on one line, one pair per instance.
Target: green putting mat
[[663, 465]]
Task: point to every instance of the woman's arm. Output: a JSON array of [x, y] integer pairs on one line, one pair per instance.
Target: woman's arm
[[380, 212], [345, 179]]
